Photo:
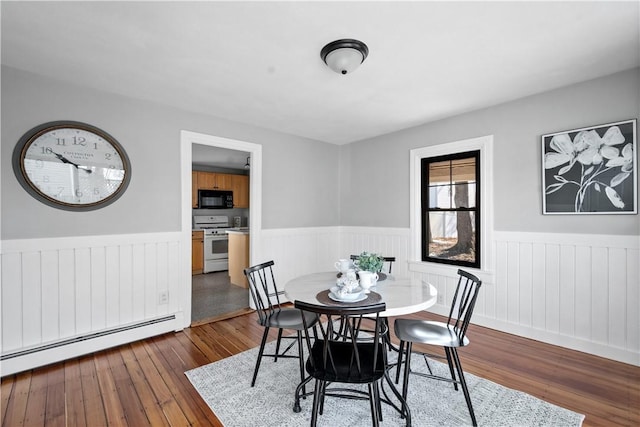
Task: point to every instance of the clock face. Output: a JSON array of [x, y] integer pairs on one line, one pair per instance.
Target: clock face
[[71, 165]]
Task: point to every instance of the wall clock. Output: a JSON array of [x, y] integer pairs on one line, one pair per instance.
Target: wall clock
[[71, 165]]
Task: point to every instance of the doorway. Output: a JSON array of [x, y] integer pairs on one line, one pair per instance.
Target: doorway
[[214, 297], [214, 289]]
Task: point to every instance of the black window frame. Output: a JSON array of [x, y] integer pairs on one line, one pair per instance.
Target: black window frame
[[425, 210]]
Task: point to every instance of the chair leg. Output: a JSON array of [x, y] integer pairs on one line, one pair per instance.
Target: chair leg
[[407, 370], [376, 389], [322, 396], [316, 403], [296, 404], [426, 362], [373, 405], [378, 400], [399, 364], [405, 412], [255, 371], [463, 383], [275, 359], [301, 361], [388, 333], [448, 352]]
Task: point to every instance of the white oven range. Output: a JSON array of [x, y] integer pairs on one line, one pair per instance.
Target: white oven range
[[216, 241]]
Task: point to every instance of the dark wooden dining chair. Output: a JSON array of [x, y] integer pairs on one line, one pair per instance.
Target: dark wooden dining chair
[[266, 297], [450, 335], [388, 262], [343, 359]]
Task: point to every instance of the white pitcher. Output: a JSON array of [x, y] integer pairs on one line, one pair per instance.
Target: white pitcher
[[367, 279]]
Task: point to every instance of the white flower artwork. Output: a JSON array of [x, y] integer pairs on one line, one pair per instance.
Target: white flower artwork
[[590, 170]]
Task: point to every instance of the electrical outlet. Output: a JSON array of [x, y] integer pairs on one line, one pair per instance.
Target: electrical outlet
[[163, 297], [440, 299]]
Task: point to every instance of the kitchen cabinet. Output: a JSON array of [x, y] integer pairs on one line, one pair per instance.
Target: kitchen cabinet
[[197, 252], [214, 181], [194, 190], [238, 257], [240, 188], [239, 184]]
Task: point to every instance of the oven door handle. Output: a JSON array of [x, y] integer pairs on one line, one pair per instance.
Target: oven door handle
[[216, 237]]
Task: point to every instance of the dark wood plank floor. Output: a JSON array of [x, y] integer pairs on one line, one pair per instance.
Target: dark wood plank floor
[[143, 383]]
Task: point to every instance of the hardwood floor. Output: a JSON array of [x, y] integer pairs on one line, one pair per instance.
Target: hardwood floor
[[143, 383]]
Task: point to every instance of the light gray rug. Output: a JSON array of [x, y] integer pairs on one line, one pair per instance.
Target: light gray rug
[[226, 387]]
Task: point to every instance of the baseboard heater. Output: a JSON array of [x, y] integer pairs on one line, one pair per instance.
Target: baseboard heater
[[77, 346]]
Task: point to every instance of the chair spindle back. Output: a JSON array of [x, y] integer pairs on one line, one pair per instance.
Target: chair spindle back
[[263, 289], [464, 301]]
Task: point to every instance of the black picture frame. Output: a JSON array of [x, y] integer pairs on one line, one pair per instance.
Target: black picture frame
[[591, 170]]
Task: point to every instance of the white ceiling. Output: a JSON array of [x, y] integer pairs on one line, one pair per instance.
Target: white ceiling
[[259, 62], [204, 156]]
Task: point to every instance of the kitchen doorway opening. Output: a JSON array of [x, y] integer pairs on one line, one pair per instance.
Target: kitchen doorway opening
[[218, 288], [214, 297], [211, 296]]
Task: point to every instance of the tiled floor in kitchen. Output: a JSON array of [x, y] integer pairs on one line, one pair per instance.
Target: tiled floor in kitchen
[[213, 296]]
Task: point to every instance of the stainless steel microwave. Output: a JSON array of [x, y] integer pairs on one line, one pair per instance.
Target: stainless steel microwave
[[215, 199]]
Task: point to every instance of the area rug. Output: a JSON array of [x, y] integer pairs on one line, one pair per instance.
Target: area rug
[[226, 387]]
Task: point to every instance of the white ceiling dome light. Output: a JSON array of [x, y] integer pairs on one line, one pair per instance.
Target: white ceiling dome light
[[345, 55]]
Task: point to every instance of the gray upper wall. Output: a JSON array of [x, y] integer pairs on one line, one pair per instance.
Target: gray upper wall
[[305, 183], [299, 181], [375, 172]]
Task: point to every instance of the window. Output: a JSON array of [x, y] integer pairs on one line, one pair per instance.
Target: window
[[450, 209], [451, 166]]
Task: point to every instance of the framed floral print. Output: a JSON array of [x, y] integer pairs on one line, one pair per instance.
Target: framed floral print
[[591, 170]]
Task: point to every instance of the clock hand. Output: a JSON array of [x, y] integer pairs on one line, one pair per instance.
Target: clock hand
[[84, 168], [65, 160]]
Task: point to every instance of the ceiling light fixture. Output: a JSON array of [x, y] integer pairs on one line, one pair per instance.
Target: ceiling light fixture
[[247, 165], [345, 55]]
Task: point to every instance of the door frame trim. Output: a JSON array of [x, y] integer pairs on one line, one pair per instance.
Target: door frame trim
[[187, 139]]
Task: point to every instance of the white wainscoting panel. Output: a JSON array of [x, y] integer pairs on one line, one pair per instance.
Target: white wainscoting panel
[[384, 241], [58, 291], [576, 291], [299, 251]]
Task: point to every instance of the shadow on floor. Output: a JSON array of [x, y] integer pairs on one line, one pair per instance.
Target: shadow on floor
[[214, 297]]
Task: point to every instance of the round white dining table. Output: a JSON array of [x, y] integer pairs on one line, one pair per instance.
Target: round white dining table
[[401, 295]]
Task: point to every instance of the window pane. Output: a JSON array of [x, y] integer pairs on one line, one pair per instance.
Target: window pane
[[440, 197], [464, 169], [452, 236], [439, 173], [465, 195]]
